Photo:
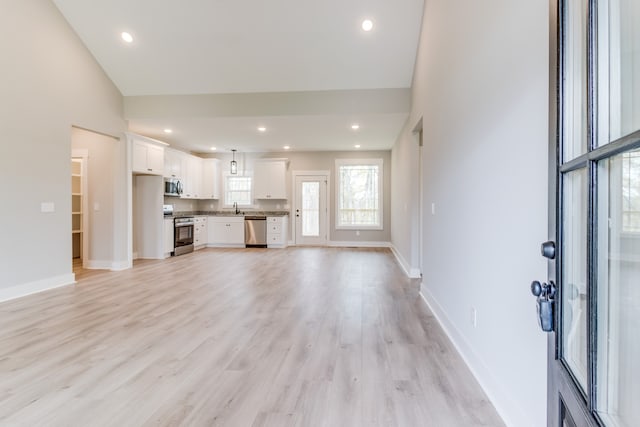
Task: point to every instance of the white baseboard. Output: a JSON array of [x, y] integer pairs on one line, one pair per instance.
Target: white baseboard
[[92, 264], [504, 404], [120, 265], [412, 273], [25, 289], [341, 244]]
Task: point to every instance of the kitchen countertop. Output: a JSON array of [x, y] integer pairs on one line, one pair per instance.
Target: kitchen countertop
[[227, 213]]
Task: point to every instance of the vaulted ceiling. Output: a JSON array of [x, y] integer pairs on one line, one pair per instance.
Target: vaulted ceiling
[[305, 70]]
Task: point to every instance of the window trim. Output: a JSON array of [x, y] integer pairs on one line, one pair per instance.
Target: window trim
[[365, 162], [228, 175]]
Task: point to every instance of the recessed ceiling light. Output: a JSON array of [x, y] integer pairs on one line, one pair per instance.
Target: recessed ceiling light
[[286, 147], [168, 131], [213, 148], [367, 25], [355, 126], [357, 145], [262, 129], [126, 37]]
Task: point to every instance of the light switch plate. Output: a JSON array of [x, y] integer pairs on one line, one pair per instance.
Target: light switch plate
[[47, 207]]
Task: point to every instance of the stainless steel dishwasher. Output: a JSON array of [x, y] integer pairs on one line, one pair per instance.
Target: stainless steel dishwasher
[[255, 231]]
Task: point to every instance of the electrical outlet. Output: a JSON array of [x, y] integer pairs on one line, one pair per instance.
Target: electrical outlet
[[433, 208], [474, 317], [357, 232]]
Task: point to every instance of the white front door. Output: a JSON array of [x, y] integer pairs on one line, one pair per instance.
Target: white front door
[[311, 209]]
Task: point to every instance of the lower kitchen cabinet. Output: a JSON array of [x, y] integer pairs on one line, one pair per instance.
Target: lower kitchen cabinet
[[226, 231], [200, 232], [168, 237], [277, 231]]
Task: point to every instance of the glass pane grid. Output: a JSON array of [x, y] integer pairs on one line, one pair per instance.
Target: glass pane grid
[[575, 82], [238, 190], [574, 274], [618, 362], [310, 209]]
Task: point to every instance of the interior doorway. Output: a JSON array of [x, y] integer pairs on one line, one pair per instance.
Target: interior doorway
[[418, 134], [311, 208], [79, 234]]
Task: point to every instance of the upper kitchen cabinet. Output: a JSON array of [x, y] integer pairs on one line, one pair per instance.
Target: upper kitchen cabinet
[[148, 158], [210, 179], [173, 163], [270, 179], [192, 177]]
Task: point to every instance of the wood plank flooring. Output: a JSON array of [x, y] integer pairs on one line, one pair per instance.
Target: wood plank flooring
[[293, 337]]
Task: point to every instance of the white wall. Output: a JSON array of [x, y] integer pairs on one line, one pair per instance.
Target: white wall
[[148, 225], [481, 89], [404, 201], [49, 83]]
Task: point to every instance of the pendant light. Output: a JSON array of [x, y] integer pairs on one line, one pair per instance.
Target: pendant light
[[234, 164]]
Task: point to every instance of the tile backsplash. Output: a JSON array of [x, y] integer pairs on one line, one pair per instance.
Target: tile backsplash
[[190, 205], [181, 205]]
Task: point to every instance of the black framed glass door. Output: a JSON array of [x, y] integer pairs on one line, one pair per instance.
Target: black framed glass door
[[594, 213]]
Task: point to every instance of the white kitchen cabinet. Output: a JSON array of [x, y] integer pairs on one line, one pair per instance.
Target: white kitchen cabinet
[[200, 234], [210, 179], [147, 158], [168, 236], [277, 231], [270, 179], [173, 160], [192, 177], [226, 231]]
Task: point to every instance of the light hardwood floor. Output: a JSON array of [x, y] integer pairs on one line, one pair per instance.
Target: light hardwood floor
[[293, 337]]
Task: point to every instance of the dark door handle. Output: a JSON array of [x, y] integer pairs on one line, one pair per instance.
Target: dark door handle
[[548, 250], [545, 297]]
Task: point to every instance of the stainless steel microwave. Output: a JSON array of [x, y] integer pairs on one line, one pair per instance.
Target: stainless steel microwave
[[172, 187]]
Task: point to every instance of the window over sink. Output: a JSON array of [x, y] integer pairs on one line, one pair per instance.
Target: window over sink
[[238, 189]]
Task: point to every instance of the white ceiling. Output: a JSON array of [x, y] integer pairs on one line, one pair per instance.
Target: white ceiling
[[301, 133], [241, 46]]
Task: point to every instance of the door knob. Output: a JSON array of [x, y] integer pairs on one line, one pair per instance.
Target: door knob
[[543, 289], [536, 288]]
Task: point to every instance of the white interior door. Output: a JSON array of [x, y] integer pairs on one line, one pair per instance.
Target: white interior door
[[311, 209]]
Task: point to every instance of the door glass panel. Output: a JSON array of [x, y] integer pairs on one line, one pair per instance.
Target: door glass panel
[[574, 274], [618, 370], [575, 83], [622, 31], [310, 209]]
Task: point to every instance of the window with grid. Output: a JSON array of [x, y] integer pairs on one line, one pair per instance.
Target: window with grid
[[631, 192], [359, 194], [237, 190]]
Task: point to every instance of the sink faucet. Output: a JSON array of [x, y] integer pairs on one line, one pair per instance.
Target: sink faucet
[[235, 206]]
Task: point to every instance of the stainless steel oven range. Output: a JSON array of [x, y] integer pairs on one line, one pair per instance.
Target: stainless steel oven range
[[183, 232]]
